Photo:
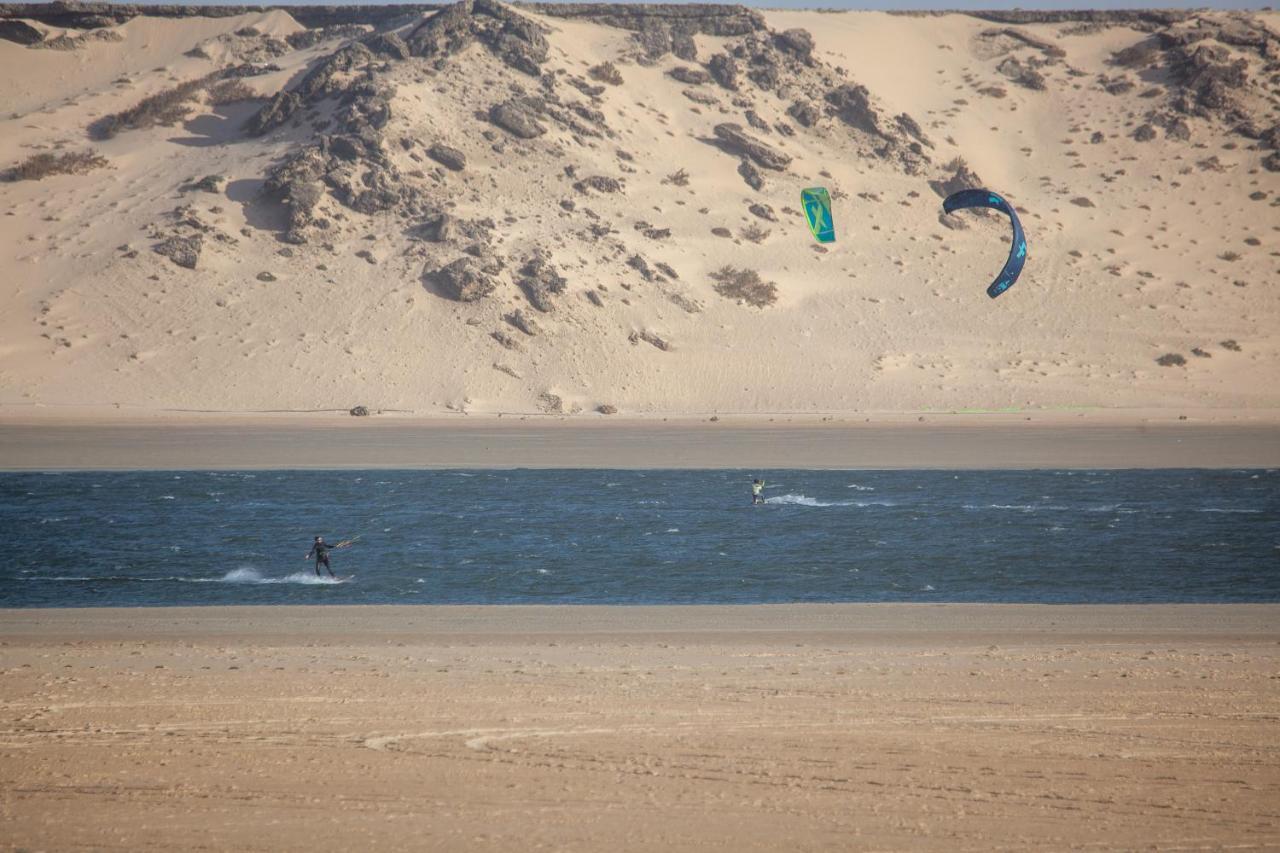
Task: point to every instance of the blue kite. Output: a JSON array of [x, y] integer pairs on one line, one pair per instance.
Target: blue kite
[[1017, 254]]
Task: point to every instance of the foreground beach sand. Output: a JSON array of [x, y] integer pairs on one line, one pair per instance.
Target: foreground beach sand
[[945, 727]]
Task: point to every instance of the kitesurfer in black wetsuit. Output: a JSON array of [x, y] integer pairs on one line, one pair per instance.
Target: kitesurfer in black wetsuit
[[321, 550]]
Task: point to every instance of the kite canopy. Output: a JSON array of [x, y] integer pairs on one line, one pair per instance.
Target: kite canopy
[[816, 203], [1017, 253]]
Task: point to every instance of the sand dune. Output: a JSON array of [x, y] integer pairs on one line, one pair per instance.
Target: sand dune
[[1163, 247]]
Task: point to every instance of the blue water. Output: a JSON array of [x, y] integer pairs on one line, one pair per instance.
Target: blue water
[[632, 537]]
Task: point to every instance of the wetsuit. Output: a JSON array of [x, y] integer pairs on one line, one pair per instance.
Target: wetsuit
[[757, 492], [321, 551]]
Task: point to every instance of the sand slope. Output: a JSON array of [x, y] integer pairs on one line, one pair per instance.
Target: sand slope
[[1169, 254]]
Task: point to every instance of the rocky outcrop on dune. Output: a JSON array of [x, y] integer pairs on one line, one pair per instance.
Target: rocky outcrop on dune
[[662, 29], [515, 39], [1223, 69], [737, 141], [85, 16], [1134, 18], [20, 32]]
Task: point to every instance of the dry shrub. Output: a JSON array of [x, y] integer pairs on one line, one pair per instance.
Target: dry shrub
[[231, 92], [679, 178], [606, 72], [40, 166], [745, 286], [754, 233], [161, 109]]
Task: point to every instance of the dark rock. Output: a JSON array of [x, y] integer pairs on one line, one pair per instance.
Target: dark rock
[[691, 76], [265, 276], [737, 141], [1117, 85], [516, 118], [540, 281], [715, 20], [911, 128], [797, 42], [698, 96], [724, 70], [463, 280], [275, 113], [1023, 75], [304, 39], [19, 32], [523, 322], [1144, 133], [606, 409], [1178, 129], [1210, 78], [852, 103], [506, 340], [207, 184], [962, 178], [1098, 138], [1081, 201], [1171, 359], [805, 113], [450, 158], [388, 45], [652, 339], [183, 251], [359, 412], [751, 175], [605, 72], [1139, 56], [1272, 162], [513, 38], [599, 183], [755, 120], [763, 211], [683, 45]]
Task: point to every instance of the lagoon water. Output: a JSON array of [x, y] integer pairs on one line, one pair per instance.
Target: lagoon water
[[640, 537]]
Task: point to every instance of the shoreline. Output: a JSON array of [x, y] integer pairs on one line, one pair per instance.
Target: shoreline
[[1094, 440], [871, 621]]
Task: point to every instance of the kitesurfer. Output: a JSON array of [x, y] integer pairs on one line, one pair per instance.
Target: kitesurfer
[[320, 549], [757, 491]]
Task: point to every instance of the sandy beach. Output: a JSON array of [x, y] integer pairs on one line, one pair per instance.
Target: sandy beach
[[881, 727], [903, 441]]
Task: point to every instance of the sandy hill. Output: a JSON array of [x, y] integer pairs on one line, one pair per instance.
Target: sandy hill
[[520, 209]]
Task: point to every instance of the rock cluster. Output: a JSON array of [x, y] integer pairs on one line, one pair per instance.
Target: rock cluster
[[466, 279], [183, 251], [541, 283]]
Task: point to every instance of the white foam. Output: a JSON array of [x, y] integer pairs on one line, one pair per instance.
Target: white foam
[[804, 500], [254, 576]]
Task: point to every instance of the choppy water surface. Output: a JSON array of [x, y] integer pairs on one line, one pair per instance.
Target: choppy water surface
[[631, 537]]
